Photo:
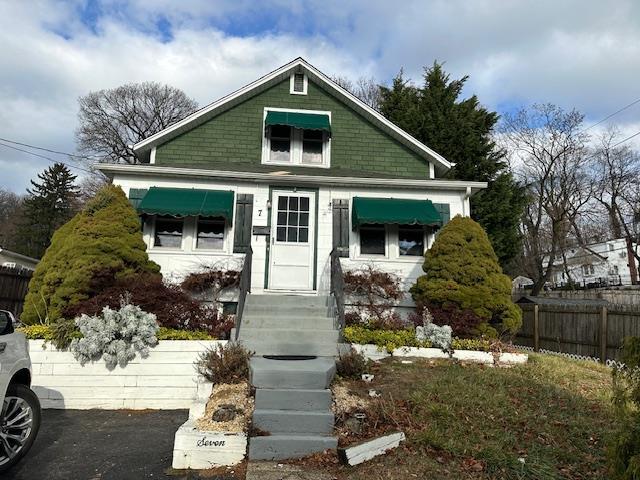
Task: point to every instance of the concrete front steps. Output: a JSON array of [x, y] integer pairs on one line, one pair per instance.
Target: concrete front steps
[[288, 325], [293, 405]]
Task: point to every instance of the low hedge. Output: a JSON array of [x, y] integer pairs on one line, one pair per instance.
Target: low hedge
[[392, 339], [45, 332]]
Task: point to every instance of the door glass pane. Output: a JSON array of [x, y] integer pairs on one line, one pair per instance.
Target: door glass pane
[[289, 215], [210, 234], [168, 232], [411, 240], [372, 240]]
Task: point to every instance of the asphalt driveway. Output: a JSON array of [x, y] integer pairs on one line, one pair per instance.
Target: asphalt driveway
[[102, 445]]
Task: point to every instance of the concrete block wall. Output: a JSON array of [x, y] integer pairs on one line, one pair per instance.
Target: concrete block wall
[[166, 379]]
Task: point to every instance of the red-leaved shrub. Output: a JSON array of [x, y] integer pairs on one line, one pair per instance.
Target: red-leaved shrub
[[374, 293], [464, 323], [173, 307]]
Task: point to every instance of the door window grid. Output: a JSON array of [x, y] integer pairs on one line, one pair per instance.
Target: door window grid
[[292, 222]]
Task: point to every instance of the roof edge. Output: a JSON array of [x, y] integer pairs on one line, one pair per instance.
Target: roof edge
[[110, 169], [420, 147]]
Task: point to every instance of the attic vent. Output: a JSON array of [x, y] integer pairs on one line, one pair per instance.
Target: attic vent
[[299, 84]]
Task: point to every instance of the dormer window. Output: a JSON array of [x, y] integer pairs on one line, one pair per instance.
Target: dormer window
[[298, 84], [297, 137]]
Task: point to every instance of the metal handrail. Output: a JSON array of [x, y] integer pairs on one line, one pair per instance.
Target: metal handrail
[[337, 289], [245, 287]]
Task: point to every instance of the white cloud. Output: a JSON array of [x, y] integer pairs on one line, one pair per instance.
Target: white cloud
[[574, 53]]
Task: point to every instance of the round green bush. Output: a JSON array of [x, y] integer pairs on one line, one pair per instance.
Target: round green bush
[[462, 272], [104, 236]]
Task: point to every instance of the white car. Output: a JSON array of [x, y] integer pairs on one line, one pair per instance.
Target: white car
[[20, 417]]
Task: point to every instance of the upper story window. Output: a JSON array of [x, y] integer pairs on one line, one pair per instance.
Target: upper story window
[[298, 84], [297, 137]]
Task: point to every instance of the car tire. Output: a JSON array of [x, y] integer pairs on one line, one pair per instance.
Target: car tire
[[17, 392]]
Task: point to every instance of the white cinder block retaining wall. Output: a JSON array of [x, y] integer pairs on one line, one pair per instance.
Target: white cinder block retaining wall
[[166, 379]]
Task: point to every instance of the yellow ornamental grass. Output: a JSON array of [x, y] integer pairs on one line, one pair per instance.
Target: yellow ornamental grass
[[462, 271], [105, 236]]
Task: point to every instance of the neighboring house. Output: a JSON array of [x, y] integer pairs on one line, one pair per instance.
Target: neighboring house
[[521, 282], [293, 166], [604, 263], [16, 260]]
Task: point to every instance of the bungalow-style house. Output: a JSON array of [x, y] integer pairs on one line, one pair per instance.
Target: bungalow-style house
[[296, 179], [293, 166]]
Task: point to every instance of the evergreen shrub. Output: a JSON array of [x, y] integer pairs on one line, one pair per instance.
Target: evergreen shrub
[[104, 236], [462, 273]]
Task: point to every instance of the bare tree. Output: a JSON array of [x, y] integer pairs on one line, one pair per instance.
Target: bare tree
[[111, 121], [616, 176], [366, 89], [10, 208], [549, 151]]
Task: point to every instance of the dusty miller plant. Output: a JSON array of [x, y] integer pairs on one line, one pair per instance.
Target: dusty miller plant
[[115, 335], [438, 336]]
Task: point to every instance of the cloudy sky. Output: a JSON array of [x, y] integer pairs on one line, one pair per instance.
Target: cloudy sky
[[575, 53]]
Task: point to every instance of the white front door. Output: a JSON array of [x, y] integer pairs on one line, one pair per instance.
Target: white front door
[[292, 241]]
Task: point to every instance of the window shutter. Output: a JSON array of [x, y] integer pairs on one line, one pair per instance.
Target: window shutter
[[243, 223], [341, 227], [136, 195], [443, 210]]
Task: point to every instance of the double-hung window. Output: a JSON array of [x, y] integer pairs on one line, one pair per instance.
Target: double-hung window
[[210, 233], [168, 232], [297, 145], [373, 239], [411, 240]]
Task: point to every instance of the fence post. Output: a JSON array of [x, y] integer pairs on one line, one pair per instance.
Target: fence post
[[603, 335], [536, 328]]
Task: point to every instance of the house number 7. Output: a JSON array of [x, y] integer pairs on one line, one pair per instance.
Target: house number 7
[[260, 212]]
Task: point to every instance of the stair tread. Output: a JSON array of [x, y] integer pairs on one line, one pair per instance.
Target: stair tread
[[292, 412]]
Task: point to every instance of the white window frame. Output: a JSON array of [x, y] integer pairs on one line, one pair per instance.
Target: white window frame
[[152, 239], [295, 152], [371, 256], [305, 83], [225, 237], [189, 238]]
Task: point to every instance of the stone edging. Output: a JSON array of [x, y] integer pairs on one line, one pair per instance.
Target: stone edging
[[373, 352]]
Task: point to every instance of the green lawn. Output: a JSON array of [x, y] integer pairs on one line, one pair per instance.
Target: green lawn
[[549, 419]]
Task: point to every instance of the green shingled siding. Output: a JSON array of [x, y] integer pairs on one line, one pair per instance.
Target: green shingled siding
[[234, 138]]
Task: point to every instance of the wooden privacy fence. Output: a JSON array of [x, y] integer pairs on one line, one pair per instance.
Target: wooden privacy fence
[[588, 330], [13, 288]]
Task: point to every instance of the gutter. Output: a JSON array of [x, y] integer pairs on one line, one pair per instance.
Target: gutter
[[278, 178]]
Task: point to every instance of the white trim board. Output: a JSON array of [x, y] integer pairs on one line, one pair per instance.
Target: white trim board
[[277, 178], [298, 65]]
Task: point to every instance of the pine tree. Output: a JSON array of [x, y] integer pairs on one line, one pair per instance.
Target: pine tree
[[50, 203], [461, 131]]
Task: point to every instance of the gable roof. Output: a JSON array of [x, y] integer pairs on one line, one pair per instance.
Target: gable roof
[[299, 65]]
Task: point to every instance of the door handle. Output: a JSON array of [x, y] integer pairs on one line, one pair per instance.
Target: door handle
[[3, 347]]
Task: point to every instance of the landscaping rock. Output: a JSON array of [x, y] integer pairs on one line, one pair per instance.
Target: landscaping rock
[[225, 413], [371, 448]]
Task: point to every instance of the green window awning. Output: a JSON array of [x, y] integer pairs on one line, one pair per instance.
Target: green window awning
[[393, 211], [306, 121], [186, 202]]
